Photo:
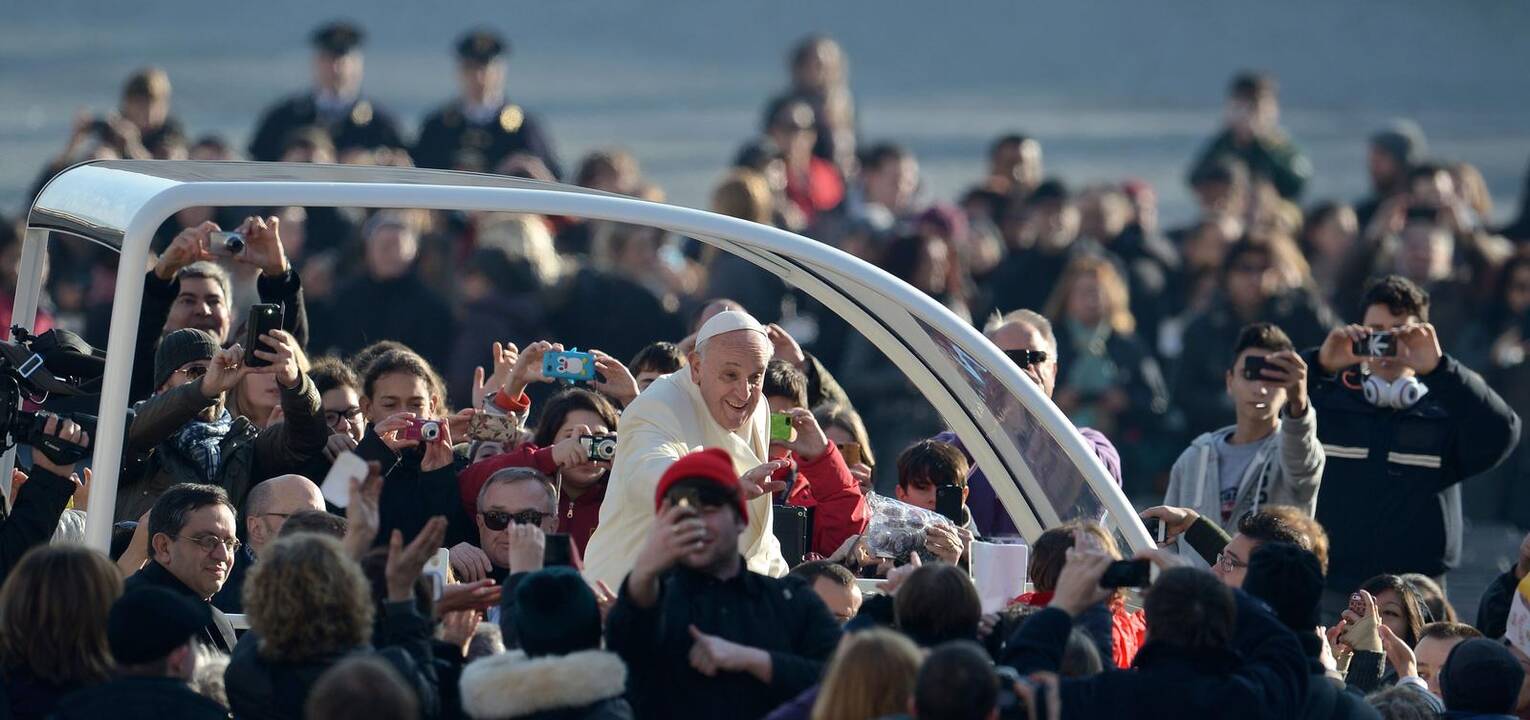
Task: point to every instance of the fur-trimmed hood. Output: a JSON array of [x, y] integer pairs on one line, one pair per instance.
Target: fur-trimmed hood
[[512, 685]]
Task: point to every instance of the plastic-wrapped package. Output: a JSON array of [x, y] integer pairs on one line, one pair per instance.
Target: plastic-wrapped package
[[897, 528]]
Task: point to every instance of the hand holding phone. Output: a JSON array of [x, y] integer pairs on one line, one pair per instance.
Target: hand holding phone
[[948, 502], [1128, 573], [568, 365], [781, 429], [263, 319]]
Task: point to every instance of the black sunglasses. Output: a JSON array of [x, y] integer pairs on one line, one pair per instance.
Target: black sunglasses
[[701, 495], [1026, 358], [498, 520]]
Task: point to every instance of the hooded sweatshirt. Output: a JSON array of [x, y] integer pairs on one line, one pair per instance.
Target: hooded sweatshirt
[[1285, 469]]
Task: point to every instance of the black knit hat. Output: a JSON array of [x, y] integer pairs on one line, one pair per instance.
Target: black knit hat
[[149, 622], [181, 347], [554, 613], [1481, 676], [1288, 579]]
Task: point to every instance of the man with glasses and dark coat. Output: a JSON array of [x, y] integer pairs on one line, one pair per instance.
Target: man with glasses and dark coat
[[192, 549]]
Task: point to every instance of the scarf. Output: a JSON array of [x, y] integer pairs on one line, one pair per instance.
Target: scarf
[[202, 444]]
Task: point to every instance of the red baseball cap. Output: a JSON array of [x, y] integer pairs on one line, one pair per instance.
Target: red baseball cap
[[712, 465]]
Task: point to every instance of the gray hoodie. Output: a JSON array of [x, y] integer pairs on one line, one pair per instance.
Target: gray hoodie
[[1286, 471]]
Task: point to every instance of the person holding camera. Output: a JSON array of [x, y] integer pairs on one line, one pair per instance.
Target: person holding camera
[[1272, 455], [688, 617], [823, 479], [185, 434], [1211, 652], [188, 289], [41, 496], [1403, 424]]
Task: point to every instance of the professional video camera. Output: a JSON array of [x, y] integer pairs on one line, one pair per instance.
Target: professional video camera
[[33, 367]]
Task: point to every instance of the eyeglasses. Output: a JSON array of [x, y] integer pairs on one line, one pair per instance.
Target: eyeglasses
[[1228, 563], [333, 417], [1026, 358], [209, 543], [498, 520], [193, 372]]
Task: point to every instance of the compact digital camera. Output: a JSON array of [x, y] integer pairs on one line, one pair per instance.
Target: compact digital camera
[[570, 365], [421, 429], [599, 447], [1376, 344], [225, 244]]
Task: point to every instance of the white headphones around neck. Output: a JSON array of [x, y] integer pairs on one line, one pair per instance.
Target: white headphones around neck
[[1400, 394]]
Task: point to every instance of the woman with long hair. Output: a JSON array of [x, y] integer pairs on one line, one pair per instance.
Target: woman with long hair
[[870, 676], [1107, 378], [398, 389], [53, 611]]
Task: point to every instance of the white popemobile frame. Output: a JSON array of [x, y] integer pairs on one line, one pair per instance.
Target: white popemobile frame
[[1042, 469]]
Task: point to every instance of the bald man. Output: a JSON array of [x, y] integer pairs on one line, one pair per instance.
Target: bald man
[[268, 505], [716, 402]]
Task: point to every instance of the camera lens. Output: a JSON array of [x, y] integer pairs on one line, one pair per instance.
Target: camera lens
[[430, 431], [235, 244]]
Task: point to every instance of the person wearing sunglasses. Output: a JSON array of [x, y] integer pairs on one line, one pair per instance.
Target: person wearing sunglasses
[[1026, 338], [517, 508], [192, 550], [687, 620]]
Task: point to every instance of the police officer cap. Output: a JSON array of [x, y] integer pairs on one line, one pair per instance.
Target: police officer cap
[[337, 38], [481, 46]]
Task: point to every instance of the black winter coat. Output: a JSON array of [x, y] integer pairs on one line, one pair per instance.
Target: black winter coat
[[139, 698], [262, 689], [1262, 675], [1389, 497]]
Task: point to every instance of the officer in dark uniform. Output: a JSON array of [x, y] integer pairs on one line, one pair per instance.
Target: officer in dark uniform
[[334, 104], [480, 129]]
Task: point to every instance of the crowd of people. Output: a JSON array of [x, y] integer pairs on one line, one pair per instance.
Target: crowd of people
[[1319, 394]]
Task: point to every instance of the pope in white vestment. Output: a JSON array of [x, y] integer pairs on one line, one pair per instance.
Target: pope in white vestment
[[716, 401]]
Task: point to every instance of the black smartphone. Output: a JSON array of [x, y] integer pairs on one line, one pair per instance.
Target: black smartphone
[[263, 319], [948, 502], [1154, 527], [1127, 573], [559, 551], [1254, 366], [1376, 344]]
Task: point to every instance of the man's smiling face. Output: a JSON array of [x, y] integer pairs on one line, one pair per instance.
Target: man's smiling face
[[730, 370]]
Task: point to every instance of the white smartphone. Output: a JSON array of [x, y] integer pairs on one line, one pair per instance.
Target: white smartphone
[[337, 484], [435, 569]]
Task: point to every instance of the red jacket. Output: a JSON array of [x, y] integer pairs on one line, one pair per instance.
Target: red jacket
[[826, 484], [579, 516], [1128, 630]]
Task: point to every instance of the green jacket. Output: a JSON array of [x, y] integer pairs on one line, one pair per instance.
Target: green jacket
[[1277, 159]]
